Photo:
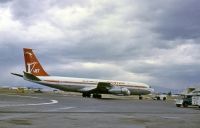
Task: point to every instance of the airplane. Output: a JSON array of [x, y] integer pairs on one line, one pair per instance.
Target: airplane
[[96, 87]]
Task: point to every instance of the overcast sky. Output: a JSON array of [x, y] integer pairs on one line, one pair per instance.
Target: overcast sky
[[152, 41]]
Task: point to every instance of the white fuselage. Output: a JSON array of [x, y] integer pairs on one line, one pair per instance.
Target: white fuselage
[[83, 84]]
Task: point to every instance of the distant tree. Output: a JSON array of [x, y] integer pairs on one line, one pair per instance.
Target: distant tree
[[169, 93]]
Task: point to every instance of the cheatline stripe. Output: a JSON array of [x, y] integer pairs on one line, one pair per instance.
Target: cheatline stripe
[[72, 82]]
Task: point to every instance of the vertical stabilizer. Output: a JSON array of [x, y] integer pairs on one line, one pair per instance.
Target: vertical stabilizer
[[32, 64]]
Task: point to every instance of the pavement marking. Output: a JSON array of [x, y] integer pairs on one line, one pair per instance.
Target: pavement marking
[[37, 104], [170, 117], [17, 105], [58, 109], [52, 102], [66, 108], [34, 97]]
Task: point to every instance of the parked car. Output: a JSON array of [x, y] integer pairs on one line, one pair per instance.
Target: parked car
[[183, 100], [160, 97]]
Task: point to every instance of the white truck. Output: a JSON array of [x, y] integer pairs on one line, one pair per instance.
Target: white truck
[[191, 98], [196, 101], [196, 98]]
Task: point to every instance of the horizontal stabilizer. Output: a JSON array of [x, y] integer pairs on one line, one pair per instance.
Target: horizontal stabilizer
[[17, 74], [30, 76]]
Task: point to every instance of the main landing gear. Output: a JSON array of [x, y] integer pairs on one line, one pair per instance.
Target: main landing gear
[[140, 97], [95, 95], [86, 95], [98, 96]]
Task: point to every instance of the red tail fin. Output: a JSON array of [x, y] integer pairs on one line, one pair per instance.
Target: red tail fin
[[32, 64]]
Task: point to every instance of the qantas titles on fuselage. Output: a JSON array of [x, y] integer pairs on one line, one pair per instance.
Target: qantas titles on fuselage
[[35, 73]]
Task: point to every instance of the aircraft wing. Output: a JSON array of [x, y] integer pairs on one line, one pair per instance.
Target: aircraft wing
[[102, 87], [87, 89]]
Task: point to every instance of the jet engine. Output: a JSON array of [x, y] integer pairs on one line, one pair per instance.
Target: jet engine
[[119, 90]]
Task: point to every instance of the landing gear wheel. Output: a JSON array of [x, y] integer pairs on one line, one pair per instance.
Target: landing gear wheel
[[164, 98], [83, 94], [98, 96], [158, 98], [86, 95], [140, 97], [185, 104]]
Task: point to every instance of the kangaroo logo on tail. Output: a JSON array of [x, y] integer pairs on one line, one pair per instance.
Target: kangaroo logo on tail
[[32, 64], [31, 68]]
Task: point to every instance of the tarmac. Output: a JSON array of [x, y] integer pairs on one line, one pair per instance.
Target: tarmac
[[72, 111]]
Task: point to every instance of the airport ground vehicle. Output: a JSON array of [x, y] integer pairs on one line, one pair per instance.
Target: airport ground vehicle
[[160, 97], [183, 100], [196, 100]]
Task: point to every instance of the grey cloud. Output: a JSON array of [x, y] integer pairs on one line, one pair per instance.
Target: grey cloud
[[110, 34], [179, 20], [28, 11], [5, 1], [83, 72], [170, 75], [64, 3]]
